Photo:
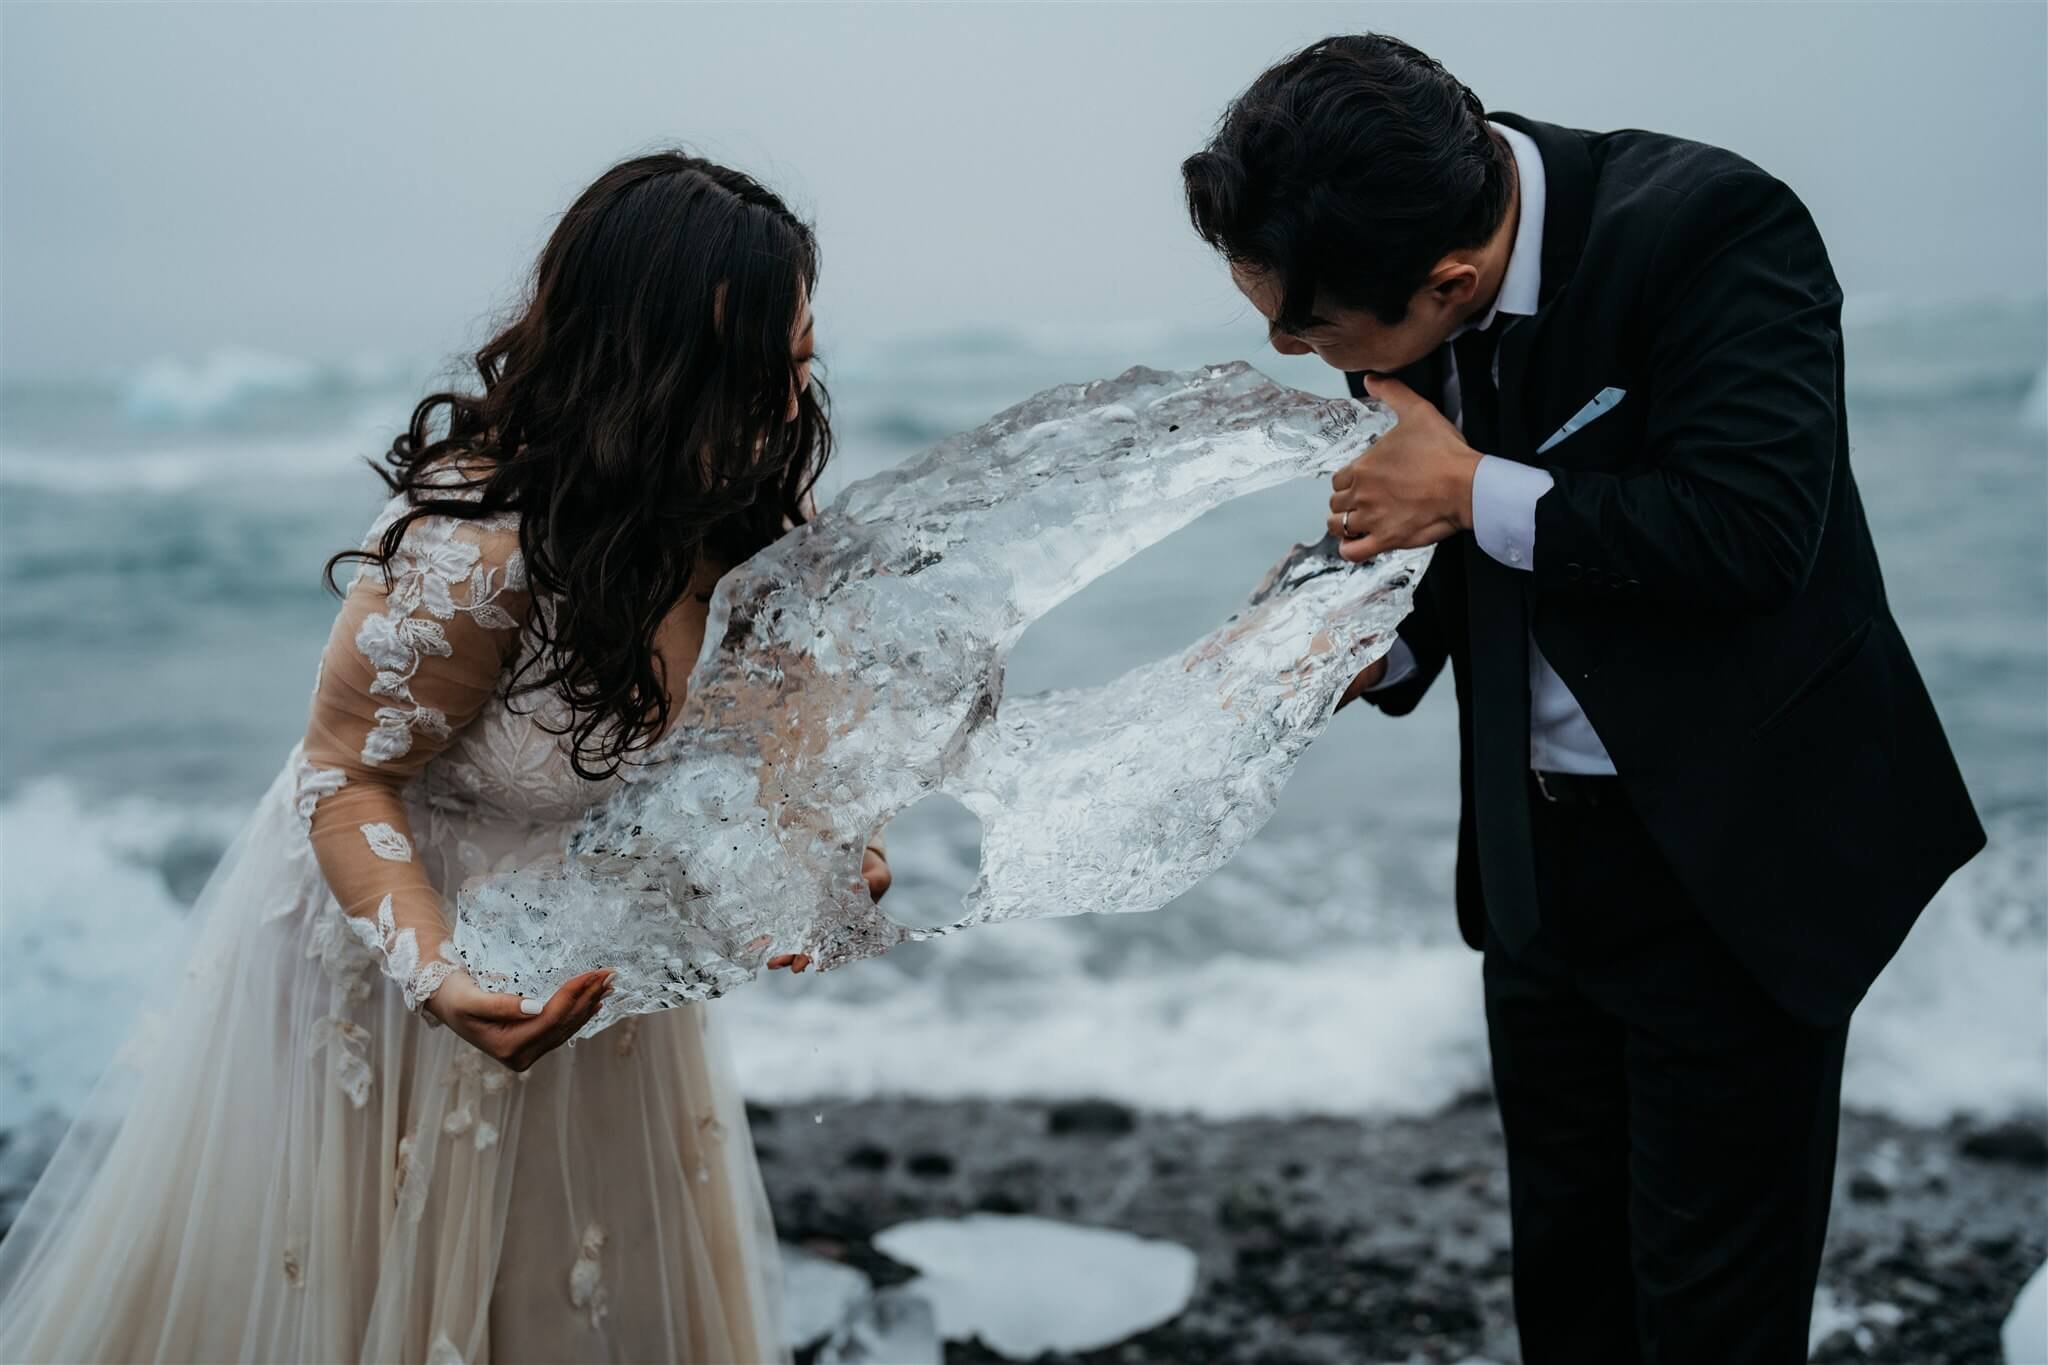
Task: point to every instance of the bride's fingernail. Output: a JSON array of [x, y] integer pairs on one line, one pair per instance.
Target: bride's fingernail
[[528, 1005]]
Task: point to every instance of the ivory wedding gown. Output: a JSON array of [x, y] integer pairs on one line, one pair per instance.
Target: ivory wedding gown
[[296, 1163]]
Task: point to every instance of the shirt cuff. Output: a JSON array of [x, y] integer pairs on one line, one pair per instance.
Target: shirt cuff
[[1400, 663], [1504, 494]]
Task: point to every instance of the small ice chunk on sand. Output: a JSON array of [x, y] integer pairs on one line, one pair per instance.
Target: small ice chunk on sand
[[894, 1327], [817, 1294], [2025, 1334], [1026, 1286]]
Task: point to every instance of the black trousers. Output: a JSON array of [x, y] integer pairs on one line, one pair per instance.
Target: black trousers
[[1670, 1129]]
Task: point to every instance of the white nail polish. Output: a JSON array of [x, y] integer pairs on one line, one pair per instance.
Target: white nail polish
[[528, 1005]]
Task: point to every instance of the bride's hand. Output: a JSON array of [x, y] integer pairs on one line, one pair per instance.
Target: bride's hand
[[496, 1023], [874, 870]]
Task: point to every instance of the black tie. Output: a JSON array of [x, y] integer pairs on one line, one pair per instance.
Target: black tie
[[1498, 612], [1476, 390]]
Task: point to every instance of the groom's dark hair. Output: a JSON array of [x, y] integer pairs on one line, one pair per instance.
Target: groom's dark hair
[[1347, 171]]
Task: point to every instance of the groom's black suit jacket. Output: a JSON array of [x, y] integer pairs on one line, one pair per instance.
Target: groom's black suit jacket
[[1704, 579]]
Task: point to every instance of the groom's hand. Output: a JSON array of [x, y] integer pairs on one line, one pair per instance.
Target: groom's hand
[[1413, 487], [1369, 678]]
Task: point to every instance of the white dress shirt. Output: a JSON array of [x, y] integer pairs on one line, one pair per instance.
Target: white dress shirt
[[1504, 495]]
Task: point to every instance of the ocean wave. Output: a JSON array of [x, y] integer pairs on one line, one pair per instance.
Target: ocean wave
[[197, 391], [90, 913], [2033, 411], [227, 383], [1955, 1024], [1903, 353], [1386, 1029], [243, 459], [903, 390], [1008, 342], [1309, 1021], [2000, 383]]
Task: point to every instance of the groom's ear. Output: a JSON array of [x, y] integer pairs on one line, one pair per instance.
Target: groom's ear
[[1450, 286]]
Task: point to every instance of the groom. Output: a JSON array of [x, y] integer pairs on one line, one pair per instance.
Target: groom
[[1704, 791]]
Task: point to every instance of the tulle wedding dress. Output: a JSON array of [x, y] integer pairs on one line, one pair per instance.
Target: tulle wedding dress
[[294, 1162]]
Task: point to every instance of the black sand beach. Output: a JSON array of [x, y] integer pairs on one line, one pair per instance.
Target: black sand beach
[[1337, 1241], [1325, 1240]]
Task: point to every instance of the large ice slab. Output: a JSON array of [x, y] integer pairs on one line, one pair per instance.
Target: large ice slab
[[856, 666]]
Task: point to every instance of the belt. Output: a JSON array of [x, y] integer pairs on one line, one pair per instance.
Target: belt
[[1577, 789]]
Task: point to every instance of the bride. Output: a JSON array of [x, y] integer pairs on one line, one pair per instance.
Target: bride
[[337, 1145]]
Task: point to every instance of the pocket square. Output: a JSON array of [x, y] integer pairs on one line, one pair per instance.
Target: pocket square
[[1602, 401]]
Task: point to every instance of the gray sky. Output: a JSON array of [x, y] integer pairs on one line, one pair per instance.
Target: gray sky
[[328, 181]]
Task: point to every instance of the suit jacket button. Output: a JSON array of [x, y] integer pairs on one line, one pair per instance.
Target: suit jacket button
[[1574, 571]]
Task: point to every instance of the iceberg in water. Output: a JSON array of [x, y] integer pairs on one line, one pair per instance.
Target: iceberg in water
[[855, 667]]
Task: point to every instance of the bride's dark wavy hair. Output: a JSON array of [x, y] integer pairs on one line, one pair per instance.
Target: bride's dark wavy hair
[[635, 413]]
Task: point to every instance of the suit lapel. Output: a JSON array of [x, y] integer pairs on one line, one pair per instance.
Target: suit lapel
[[1567, 212], [1567, 194]]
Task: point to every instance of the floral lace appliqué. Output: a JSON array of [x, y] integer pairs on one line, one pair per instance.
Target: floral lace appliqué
[[430, 566], [309, 784], [347, 1044], [399, 952], [387, 843], [480, 1099], [586, 1286]]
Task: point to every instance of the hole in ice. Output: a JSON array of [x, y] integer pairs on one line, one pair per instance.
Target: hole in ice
[[934, 853], [1168, 595]]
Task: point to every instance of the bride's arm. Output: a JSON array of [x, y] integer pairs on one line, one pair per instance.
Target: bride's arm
[[409, 662]]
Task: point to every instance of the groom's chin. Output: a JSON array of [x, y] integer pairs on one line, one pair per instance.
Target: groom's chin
[[1396, 359], [1352, 361], [1385, 356]]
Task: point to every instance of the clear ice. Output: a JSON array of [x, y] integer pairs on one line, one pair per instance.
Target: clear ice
[[855, 667], [1030, 1287]]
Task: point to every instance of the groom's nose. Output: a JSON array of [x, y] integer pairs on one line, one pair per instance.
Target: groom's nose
[[1287, 344]]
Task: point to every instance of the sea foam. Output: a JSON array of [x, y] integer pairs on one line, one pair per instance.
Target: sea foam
[[1387, 1025]]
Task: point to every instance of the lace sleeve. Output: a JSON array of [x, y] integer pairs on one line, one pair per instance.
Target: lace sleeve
[[408, 664]]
